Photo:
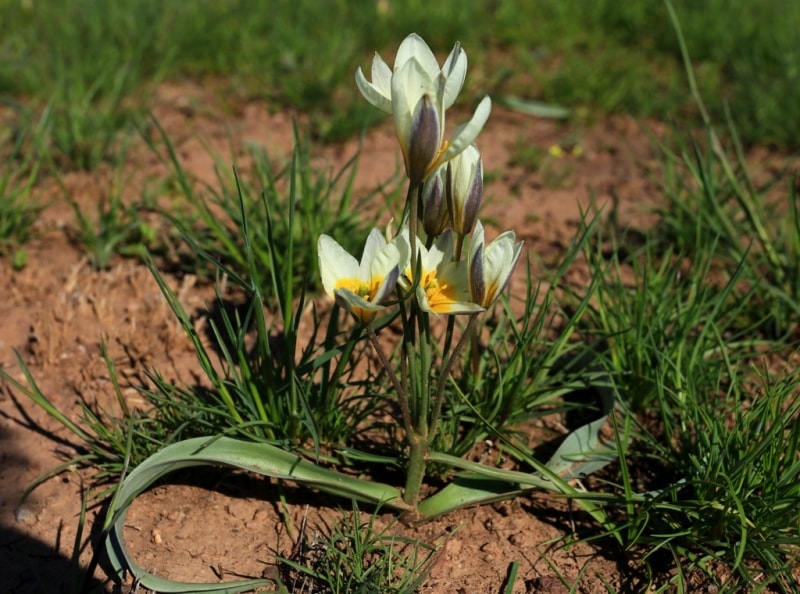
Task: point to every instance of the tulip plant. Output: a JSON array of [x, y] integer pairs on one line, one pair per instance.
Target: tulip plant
[[423, 269], [433, 266]]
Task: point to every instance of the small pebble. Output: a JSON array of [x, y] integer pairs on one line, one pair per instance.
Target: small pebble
[[24, 515]]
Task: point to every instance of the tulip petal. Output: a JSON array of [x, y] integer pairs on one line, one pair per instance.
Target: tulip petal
[[372, 247], [423, 142], [466, 133], [477, 282], [372, 93], [382, 76], [490, 267], [414, 47], [334, 263], [387, 285], [455, 71]]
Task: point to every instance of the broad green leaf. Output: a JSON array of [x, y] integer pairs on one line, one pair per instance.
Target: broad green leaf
[[535, 108], [260, 458], [581, 453]]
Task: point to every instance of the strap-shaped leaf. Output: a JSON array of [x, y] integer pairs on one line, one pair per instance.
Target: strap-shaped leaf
[[582, 452], [260, 458]]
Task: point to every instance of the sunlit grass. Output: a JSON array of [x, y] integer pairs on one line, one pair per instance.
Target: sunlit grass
[[96, 70]]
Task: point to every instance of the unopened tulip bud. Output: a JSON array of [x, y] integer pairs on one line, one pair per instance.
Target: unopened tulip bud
[[433, 211], [423, 142], [464, 189]]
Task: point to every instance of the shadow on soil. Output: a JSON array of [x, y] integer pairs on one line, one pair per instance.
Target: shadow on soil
[[33, 567], [29, 565]]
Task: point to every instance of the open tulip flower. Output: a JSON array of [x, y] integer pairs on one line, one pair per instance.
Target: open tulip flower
[[417, 93], [361, 288], [490, 266], [443, 284]]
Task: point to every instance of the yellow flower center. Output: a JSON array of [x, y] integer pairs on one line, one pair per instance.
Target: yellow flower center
[[364, 290], [440, 295]]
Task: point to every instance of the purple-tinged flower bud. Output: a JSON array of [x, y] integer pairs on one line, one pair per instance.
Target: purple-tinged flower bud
[[433, 206], [423, 141], [464, 189]]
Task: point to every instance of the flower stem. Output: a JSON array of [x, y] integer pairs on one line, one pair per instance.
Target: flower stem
[[412, 199], [402, 396], [447, 369], [417, 454]]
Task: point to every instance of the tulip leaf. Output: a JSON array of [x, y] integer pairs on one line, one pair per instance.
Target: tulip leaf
[[260, 458], [582, 452], [469, 489], [535, 108]]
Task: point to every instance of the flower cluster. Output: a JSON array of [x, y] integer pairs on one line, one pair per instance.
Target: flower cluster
[[446, 187]]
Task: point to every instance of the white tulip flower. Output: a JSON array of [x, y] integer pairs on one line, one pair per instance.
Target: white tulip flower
[[417, 92], [361, 287], [443, 286]]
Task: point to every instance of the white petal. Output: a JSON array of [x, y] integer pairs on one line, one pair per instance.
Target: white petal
[[466, 133], [334, 263], [498, 257], [374, 244], [387, 285], [478, 238], [403, 243], [422, 301], [414, 47], [430, 259], [461, 307], [409, 84], [387, 258], [382, 76], [442, 249], [350, 300], [372, 93], [456, 72]]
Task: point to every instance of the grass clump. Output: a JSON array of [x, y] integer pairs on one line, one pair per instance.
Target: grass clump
[[20, 169], [356, 556], [96, 71]]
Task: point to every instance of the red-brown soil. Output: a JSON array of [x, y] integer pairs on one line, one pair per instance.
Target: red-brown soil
[[57, 310]]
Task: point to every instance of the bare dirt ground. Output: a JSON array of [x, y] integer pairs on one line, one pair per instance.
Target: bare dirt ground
[[56, 311]]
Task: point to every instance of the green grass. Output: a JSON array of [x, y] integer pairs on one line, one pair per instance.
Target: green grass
[[116, 228], [711, 473], [96, 70], [281, 201], [19, 172], [356, 556]]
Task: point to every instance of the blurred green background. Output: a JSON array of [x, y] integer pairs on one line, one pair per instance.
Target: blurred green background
[[94, 64]]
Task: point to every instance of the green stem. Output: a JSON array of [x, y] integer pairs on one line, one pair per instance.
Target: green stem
[[417, 460], [451, 320], [402, 396], [446, 371], [423, 396], [413, 206]]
